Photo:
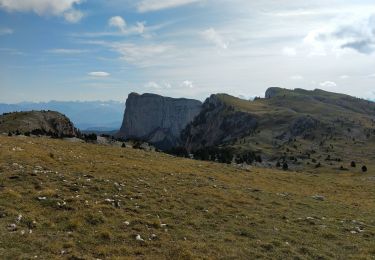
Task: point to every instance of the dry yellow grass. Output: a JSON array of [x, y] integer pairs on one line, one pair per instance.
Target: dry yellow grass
[[83, 201]]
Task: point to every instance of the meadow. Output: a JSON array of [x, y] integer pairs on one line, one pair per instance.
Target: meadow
[[64, 200]]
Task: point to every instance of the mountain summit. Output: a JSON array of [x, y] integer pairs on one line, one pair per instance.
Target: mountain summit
[[157, 119], [37, 122]]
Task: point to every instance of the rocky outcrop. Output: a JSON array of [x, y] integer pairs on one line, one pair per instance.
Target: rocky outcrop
[[272, 92], [302, 125], [218, 123], [38, 122], [156, 119]]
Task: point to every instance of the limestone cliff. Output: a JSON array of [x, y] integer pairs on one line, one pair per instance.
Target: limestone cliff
[[218, 123], [156, 119]]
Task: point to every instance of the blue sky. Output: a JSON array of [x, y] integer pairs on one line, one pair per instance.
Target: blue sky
[[105, 49]]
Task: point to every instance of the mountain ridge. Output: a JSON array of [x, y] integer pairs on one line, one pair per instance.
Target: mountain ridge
[[286, 124]]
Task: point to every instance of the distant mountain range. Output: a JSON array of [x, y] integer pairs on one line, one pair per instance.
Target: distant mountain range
[[86, 115]]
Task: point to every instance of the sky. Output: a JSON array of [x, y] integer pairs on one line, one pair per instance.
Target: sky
[[106, 49]]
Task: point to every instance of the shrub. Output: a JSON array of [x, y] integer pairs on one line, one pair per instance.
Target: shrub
[[91, 137], [94, 219], [178, 151], [353, 164], [364, 168], [258, 158], [285, 166], [105, 235]]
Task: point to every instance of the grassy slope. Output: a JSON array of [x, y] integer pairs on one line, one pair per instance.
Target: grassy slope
[[275, 116], [210, 210], [30, 120], [324, 105]]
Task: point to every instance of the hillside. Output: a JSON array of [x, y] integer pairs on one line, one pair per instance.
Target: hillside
[[86, 115], [82, 201], [37, 122], [306, 129]]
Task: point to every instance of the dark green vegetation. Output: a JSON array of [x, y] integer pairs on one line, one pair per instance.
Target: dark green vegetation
[[305, 129], [83, 201]]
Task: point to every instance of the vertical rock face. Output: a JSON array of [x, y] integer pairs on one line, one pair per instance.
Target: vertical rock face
[[271, 92], [156, 119], [216, 124]]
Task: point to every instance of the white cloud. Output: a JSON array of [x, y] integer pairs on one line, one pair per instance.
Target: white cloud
[[66, 51], [99, 74], [214, 37], [164, 85], [187, 84], [153, 85], [118, 22], [63, 8], [73, 16], [288, 51], [141, 55], [158, 86], [328, 84], [11, 51], [355, 32], [344, 77], [156, 5], [5, 31], [296, 77], [140, 27]]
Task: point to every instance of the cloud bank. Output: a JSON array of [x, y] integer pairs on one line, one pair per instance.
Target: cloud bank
[[99, 74], [156, 5], [64, 8]]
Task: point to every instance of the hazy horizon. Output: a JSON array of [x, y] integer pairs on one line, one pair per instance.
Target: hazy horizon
[[103, 50], [122, 102]]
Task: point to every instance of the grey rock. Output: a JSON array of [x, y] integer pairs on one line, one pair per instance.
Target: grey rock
[[303, 124], [217, 123], [318, 197], [139, 238], [12, 227], [156, 119], [272, 92]]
